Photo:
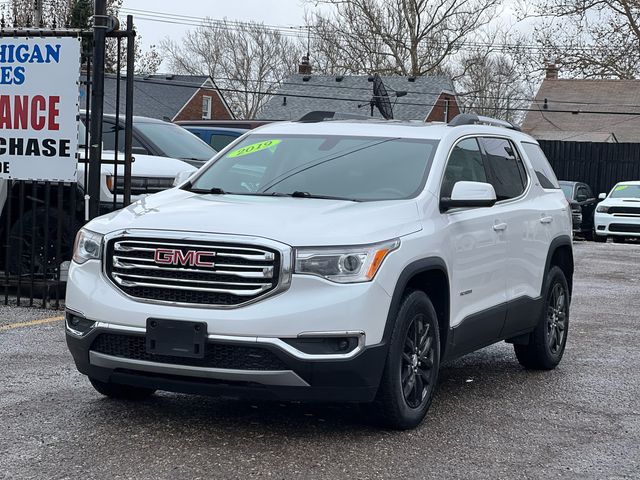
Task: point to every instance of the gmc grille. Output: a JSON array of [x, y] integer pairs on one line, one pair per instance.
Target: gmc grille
[[231, 275], [144, 185], [217, 355]]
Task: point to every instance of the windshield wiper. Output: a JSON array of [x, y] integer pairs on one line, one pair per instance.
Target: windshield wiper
[[299, 194], [212, 190]]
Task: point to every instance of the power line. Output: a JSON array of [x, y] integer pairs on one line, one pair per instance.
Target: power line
[[302, 32], [361, 100]]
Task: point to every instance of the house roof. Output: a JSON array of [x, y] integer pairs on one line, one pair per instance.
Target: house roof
[[346, 94], [155, 96], [578, 100]]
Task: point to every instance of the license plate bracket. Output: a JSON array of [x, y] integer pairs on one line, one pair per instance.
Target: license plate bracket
[[177, 338]]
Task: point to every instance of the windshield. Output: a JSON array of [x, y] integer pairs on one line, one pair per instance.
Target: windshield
[[625, 191], [567, 190], [352, 168], [175, 141]]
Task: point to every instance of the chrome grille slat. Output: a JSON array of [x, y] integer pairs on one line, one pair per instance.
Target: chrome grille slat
[[257, 255], [240, 293], [184, 280], [194, 272]]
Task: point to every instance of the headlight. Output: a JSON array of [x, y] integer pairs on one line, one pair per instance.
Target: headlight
[[602, 209], [344, 264], [88, 246]]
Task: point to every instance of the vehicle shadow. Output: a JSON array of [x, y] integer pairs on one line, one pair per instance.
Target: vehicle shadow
[[490, 374]]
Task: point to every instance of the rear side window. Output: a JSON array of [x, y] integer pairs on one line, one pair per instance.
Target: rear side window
[[506, 171], [544, 172], [465, 164]]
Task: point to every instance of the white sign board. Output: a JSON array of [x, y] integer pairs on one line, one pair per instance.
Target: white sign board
[[39, 80]]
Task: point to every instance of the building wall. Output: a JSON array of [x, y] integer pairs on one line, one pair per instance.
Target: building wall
[[193, 109], [437, 113]]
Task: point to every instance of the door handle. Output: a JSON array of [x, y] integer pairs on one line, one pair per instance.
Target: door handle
[[499, 227], [546, 220]]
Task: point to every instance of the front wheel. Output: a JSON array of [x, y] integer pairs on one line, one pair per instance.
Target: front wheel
[[411, 370], [548, 340], [599, 238]]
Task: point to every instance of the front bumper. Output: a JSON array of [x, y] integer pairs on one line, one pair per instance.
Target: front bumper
[[616, 225], [263, 369]]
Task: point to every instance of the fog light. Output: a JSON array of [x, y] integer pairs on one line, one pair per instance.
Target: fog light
[[78, 325], [600, 227]]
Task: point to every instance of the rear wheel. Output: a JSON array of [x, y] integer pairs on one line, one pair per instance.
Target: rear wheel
[[548, 340], [32, 252], [121, 392], [411, 370]]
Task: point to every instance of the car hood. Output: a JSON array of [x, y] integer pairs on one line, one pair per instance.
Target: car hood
[[144, 165], [620, 202], [294, 221]]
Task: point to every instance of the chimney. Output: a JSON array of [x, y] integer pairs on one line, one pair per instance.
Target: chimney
[[552, 71], [305, 67]]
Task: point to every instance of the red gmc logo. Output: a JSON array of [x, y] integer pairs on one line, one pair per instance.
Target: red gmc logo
[[192, 258]]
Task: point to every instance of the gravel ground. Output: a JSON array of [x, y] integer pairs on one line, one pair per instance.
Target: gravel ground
[[490, 419]]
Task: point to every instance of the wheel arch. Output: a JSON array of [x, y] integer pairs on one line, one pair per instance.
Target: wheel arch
[[560, 254], [430, 276]]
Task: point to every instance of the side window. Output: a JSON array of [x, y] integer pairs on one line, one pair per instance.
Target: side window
[[465, 164], [540, 164], [220, 140], [507, 172], [583, 193], [109, 138]]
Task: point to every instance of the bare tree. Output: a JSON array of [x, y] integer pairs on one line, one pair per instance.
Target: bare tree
[[247, 60], [588, 38], [405, 37]]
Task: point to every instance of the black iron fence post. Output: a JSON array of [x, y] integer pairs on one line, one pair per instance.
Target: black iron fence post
[[128, 121], [97, 97]]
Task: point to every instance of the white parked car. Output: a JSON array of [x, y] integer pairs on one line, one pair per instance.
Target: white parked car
[[618, 215], [331, 261]]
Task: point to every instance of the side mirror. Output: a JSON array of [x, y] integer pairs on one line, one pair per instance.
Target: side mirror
[[602, 196], [469, 195]]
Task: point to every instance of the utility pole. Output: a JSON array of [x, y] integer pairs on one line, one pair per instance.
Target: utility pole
[[100, 25], [37, 14]]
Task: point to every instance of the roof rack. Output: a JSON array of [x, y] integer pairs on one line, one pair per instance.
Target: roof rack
[[472, 119], [321, 116]]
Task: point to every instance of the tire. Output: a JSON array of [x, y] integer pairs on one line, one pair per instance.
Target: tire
[[121, 392], [410, 377], [28, 234], [549, 338], [599, 238]]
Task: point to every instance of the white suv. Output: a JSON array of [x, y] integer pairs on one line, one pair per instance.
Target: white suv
[[333, 261]]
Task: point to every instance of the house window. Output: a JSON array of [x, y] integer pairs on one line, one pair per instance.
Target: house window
[[206, 108]]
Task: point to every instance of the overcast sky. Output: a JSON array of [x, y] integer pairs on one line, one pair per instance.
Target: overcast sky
[[273, 12]]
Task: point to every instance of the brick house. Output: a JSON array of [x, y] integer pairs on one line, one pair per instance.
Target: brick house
[[427, 99], [170, 97]]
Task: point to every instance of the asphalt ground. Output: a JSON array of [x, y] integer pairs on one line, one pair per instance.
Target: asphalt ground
[[490, 419]]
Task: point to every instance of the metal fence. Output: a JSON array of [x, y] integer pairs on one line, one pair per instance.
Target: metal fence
[[600, 165], [39, 219]]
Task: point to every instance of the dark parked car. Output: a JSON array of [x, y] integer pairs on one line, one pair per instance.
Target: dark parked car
[[217, 137], [156, 137], [583, 203]]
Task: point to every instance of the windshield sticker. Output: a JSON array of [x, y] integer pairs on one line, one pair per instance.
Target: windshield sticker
[[254, 147], [620, 187]]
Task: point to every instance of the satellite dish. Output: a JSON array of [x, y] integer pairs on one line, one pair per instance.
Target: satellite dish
[[381, 99]]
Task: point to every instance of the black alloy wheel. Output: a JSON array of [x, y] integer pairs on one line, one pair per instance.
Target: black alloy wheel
[[556, 318], [417, 362]]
